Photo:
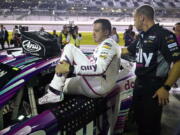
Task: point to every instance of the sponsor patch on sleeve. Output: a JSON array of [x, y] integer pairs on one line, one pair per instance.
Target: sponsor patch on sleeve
[[169, 37], [106, 46], [103, 56], [170, 41], [104, 53], [172, 45], [176, 54]]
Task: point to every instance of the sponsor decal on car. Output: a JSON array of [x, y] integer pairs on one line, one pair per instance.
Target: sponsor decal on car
[[31, 46]]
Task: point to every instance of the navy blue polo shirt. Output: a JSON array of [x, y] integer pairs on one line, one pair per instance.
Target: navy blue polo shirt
[[155, 50]]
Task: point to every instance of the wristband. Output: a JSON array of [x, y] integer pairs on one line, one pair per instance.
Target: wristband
[[167, 87]]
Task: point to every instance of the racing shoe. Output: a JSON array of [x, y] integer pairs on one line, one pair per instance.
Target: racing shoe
[[52, 96]]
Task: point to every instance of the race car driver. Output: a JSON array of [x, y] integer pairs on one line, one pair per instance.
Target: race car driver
[[95, 77]]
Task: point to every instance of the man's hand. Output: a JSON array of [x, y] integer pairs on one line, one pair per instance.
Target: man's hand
[[163, 96], [62, 67]]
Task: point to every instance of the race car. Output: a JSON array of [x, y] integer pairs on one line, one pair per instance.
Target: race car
[[25, 78], [30, 74]]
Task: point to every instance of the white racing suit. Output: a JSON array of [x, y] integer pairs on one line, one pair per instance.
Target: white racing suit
[[95, 77]]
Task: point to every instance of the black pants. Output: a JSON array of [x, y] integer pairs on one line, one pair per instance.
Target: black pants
[[147, 111], [6, 40], [2, 43]]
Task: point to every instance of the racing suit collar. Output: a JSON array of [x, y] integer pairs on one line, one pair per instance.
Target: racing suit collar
[[103, 40]]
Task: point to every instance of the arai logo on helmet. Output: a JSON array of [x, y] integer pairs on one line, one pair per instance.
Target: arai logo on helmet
[[30, 46]]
